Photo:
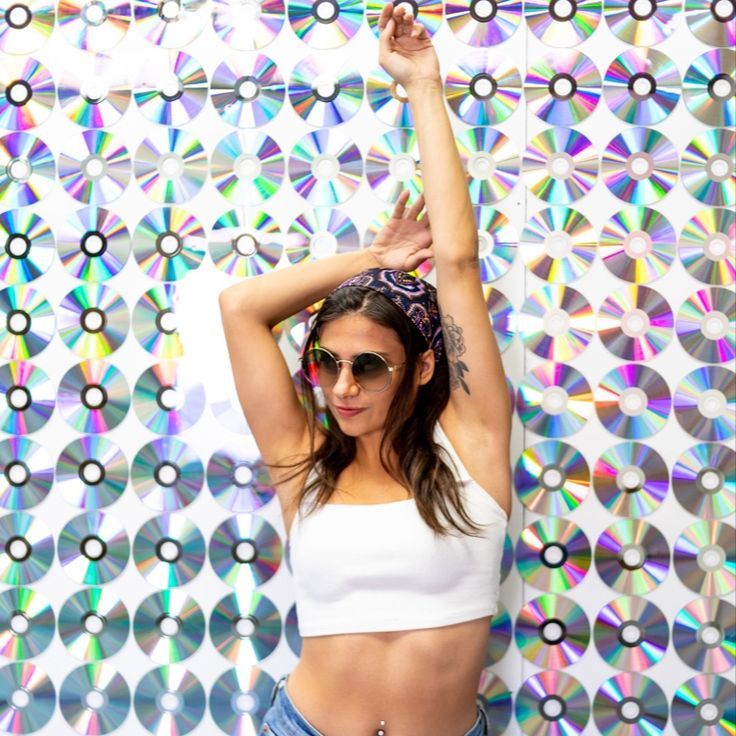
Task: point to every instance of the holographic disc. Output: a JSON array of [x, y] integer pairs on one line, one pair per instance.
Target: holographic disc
[[642, 26], [225, 699], [704, 706], [426, 12], [27, 623], [639, 165], [244, 31], [494, 694], [30, 246], [707, 246], [388, 99], [27, 548], [94, 27], [712, 23], [705, 403], [497, 242], [709, 167], [635, 323], [238, 479], [552, 631], [632, 556], [25, 27], [562, 87], [704, 632], [244, 246], [501, 314], [706, 325], [500, 631], [630, 479], [483, 88], [23, 378], [553, 554], [27, 170], [491, 163], [27, 322], [27, 93], [325, 29], [474, 27], [704, 480], [631, 633], [704, 556], [170, 29], [27, 698], [28, 473], [93, 623], [628, 704], [554, 702], [709, 87], [558, 23], [642, 86], [392, 165], [168, 550], [155, 322], [318, 233], [560, 165]]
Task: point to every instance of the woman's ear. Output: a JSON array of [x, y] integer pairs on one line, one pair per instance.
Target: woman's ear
[[426, 366]]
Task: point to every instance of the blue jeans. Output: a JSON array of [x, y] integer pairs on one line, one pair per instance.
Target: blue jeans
[[283, 719]]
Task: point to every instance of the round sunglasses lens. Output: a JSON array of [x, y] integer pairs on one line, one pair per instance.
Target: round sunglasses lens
[[371, 371], [320, 368]]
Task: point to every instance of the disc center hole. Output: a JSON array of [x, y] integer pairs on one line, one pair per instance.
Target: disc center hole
[[642, 85], [484, 9], [94, 89], [722, 89], [91, 473], [402, 166], [20, 698], [552, 707], [93, 624], [709, 712], [93, 548], [323, 244], [19, 623], [710, 635], [244, 627], [95, 699], [170, 701], [20, 169], [167, 474], [724, 10], [169, 626], [18, 92], [171, 165], [19, 16], [19, 549], [18, 322], [94, 13], [168, 550], [93, 244], [244, 552], [92, 320], [170, 9], [718, 167], [244, 702], [243, 475], [562, 9]]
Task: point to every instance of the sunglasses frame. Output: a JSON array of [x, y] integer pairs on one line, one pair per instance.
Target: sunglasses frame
[[391, 369]]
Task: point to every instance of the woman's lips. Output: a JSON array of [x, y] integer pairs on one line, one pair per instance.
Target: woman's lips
[[347, 412]]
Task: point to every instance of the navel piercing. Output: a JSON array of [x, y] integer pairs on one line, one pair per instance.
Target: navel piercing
[[380, 731]]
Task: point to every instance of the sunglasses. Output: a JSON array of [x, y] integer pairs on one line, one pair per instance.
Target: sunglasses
[[370, 371]]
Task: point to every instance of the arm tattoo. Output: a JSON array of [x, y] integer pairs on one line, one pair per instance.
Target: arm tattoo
[[455, 346]]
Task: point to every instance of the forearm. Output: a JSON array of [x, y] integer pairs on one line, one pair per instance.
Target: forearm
[[274, 296]]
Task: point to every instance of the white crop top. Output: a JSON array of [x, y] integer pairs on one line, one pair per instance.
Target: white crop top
[[379, 567]]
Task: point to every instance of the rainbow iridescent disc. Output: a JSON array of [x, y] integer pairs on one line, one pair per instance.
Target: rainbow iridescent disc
[[29, 246], [27, 623], [707, 246], [28, 473], [325, 30], [704, 634], [560, 23], [705, 403], [709, 167], [483, 88], [639, 165], [325, 167], [392, 165], [553, 554], [491, 163], [237, 478], [386, 99], [23, 378], [225, 698], [169, 700], [155, 322], [474, 27], [704, 556], [497, 242], [552, 631], [426, 12], [495, 694], [318, 233], [642, 86], [554, 400], [94, 167], [245, 245], [704, 480], [167, 28], [709, 87], [706, 325], [631, 633], [502, 316], [25, 27], [246, 31], [27, 548], [560, 165], [27, 170], [704, 705], [635, 323], [630, 479], [632, 556], [562, 87], [27, 322], [323, 93], [94, 26], [27, 93], [500, 630], [33, 710], [247, 93], [713, 23], [628, 704], [642, 24], [552, 702]]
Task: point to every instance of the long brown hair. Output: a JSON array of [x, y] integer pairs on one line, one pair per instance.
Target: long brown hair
[[409, 429]]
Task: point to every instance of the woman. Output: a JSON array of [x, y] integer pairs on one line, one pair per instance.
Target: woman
[[396, 562]]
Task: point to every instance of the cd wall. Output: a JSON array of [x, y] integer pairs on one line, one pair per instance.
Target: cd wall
[[154, 153]]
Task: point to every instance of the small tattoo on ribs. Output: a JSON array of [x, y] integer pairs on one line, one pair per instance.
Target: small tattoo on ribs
[[455, 346]]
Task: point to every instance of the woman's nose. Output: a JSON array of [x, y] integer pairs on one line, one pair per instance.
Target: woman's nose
[[345, 380]]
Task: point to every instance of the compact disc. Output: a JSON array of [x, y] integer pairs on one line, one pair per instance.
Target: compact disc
[[27, 548], [94, 167], [704, 556], [27, 169], [168, 550], [562, 23], [325, 167], [642, 24], [554, 400], [426, 12], [170, 28], [237, 478], [476, 25], [631, 479], [560, 165], [170, 91], [497, 242], [30, 246], [501, 314], [245, 551], [27, 623], [93, 396], [93, 623], [709, 167], [709, 87], [562, 87], [483, 88], [27, 322], [392, 165], [94, 26], [169, 700], [552, 631], [552, 701], [170, 165], [169, 242], [230, 695], [93, 244], [638, 244], [500, 632], [705, 403], [704, 480], [707, 246], [324, 93], [30, 397], [628, 704], [633, 401], [245, 627], [639, 165], [491, 163], [94, 698], [704, 706], [25, 27], [388, 99], [248, 93], [27, 93], [631, 633], [558, 244], [28, 473], [246, 31], [553, 554], [704, 632], [713, 23], [320, 232], [632, 556], [155, 321], [27, 698], [496, 699], [642, 86], [325, 27], [706, 325], [635, 323]]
